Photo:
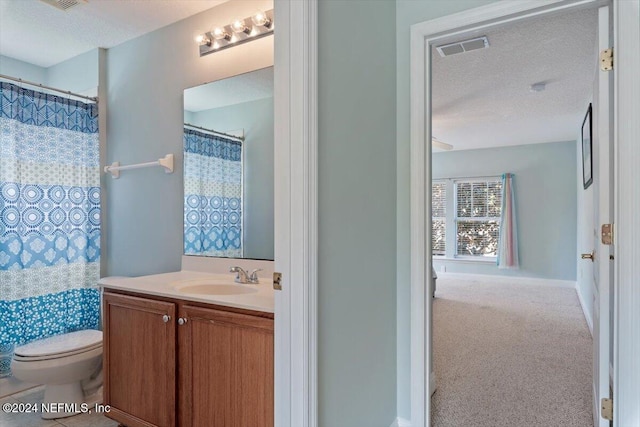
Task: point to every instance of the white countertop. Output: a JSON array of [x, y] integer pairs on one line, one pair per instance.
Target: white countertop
[[163, 285]]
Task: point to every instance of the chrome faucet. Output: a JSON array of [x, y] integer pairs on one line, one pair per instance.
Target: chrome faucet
[[243, 277]]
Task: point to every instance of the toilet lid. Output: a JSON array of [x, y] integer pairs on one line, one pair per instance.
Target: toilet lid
[[61, 344]]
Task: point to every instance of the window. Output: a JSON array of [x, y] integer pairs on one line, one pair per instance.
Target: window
[[474, 214], [439, 217], [478, 205]]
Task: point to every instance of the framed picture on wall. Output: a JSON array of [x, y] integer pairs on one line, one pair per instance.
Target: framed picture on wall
[[587, 158]]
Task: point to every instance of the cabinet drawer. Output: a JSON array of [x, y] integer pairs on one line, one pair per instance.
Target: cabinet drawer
[[221, 316]]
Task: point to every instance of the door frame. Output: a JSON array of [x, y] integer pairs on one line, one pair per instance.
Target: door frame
[[295, 212], [603, 191], [626, 342], [627, 132]]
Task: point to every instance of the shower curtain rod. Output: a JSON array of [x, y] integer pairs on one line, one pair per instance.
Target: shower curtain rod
[[226, 135], [66, 92]]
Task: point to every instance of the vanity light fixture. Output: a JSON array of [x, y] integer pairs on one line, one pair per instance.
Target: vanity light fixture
[[238, 32]]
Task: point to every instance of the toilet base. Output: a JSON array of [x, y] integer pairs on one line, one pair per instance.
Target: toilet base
[[62, 400]]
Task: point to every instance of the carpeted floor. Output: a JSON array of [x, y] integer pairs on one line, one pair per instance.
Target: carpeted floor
[[509, 355]]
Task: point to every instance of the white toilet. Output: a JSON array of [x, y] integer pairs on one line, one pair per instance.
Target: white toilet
[[69, 365]]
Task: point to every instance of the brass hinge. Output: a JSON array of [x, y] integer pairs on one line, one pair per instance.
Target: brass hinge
[[606, 234], [607, 409], [277, 277], [606, 59]]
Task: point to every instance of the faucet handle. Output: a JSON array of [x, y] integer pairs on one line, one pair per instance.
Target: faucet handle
[[253, 278]]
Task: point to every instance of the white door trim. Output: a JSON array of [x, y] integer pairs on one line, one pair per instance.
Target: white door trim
[[627, 202], [603, 214], [422, 35], [295, 165]]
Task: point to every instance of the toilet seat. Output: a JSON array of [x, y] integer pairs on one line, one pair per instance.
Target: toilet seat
[[59, 346]]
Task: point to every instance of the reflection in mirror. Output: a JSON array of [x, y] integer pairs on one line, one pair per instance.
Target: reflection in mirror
[[228, 167]]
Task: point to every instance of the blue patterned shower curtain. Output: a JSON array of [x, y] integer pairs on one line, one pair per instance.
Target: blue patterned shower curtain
[[213, 195], [49, 217]]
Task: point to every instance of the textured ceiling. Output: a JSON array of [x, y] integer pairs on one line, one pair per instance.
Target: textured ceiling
[[60, 35], [234, 90], [482, 98]]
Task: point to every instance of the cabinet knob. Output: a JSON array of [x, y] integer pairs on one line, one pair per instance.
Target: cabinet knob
[[182, 321], [166, 318]]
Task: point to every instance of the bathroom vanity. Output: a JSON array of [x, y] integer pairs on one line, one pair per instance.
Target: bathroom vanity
[[194, 348], [188, 349]]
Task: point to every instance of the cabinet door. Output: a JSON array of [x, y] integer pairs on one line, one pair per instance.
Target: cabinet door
[[226, 369], [140, 360]]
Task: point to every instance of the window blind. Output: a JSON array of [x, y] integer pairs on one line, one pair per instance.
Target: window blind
[[438, 217], [478, 205]]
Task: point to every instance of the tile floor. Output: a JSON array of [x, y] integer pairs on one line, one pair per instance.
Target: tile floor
[[34, 420], [10, 385]]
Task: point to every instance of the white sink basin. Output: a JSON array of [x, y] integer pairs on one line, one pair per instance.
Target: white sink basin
[[212, 287]]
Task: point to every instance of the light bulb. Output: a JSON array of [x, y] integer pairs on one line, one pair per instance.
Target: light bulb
[[202, 39], [220, 34], [238, 26], [261, 19]]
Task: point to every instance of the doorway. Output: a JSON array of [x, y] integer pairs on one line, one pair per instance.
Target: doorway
[[506, 108], [435, 33]]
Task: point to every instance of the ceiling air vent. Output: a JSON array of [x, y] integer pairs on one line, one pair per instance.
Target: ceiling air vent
[[63, 4], [463, 46]]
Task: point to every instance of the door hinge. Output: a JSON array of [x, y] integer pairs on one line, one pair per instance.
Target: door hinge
[[607, 409], [606, 59], [606, 234], [277, 277]]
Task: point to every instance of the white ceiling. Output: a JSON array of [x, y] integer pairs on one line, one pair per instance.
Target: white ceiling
[[37, 33], [234, 90], [482, 99]]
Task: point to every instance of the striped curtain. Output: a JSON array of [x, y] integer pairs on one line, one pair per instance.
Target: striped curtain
[[49, 217], [212, 195], [508, 239]]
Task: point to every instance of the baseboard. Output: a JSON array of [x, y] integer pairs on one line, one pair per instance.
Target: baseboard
[[516, 280], [587, 315], [401, 422]]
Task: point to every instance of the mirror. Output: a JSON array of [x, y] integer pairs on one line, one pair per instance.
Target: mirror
[[228, 167]]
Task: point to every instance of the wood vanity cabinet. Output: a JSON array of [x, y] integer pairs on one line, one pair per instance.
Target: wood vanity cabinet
[[209, 366]]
